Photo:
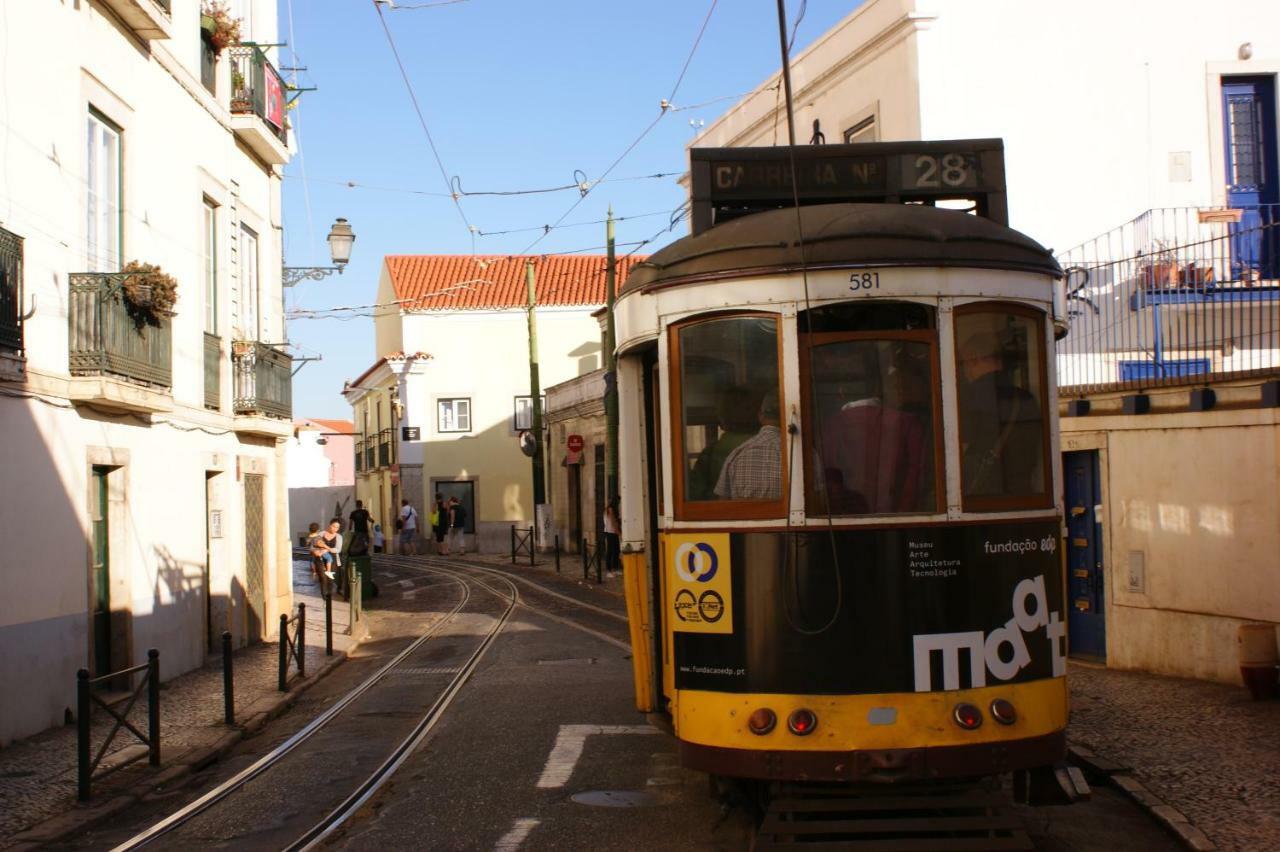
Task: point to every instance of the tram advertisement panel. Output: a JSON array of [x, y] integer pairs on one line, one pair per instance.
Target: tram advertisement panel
[[699, 594], [867, 611]]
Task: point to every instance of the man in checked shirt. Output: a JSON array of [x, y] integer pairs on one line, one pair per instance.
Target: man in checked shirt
[[753, 471]]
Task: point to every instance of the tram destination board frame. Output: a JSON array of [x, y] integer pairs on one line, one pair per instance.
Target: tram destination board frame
[[732, 182]]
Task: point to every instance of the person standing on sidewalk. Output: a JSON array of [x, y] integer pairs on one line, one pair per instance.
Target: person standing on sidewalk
[[611, 536], [360, 519], [440, 524], [408, 529], [457, 525]]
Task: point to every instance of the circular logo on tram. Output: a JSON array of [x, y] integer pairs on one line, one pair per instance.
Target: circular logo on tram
[[710, 606], [696, 562], [684, 604]]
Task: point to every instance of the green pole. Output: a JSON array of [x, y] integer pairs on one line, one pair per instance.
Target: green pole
[[539, 488], [610, 366]]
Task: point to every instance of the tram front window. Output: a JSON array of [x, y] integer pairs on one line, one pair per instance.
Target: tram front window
[[728, 399], [1000, 400]]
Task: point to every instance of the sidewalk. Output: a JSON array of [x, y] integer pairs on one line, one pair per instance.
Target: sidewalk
[[38, 774], [1188, 748]]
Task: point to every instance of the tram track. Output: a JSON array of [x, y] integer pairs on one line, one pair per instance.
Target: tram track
[[343, 738]]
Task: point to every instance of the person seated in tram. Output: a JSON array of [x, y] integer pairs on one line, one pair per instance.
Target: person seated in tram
[[736, 410], [753, 471], [1000, 422]]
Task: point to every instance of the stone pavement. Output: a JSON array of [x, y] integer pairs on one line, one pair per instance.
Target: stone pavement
[[38, 774], [545, 566], [1202, 757]]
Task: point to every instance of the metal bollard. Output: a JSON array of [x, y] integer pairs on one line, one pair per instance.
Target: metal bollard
[[557, 553], [284, 651], [328, 625], [82, 734], [513, 544], [531, 547], [301, 646], [600, 558], [228, 684], [584, 558], [153, 705]]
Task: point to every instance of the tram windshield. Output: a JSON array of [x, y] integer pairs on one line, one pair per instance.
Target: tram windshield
[[869, 388], [728, 399], [1000, 399]]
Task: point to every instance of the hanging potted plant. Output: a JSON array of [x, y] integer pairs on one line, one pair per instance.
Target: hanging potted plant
[[149, 293], [217, 25]]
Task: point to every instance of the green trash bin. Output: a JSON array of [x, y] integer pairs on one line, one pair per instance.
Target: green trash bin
[[363, 566]]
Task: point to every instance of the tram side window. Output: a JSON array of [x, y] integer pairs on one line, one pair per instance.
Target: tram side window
[[869, 386], [1000, 395], [728, 403]]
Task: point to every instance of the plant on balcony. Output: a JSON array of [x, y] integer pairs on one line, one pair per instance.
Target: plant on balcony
[[220, 29], [149, 293]]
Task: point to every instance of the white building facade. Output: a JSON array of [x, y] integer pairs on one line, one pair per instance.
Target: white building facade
[[146, 502]]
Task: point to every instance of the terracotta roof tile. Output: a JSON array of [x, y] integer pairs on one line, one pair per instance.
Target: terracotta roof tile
[[346, 427], [435, 282]]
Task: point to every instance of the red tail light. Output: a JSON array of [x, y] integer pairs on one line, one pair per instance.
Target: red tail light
[[762, 721], [967, 716], [1003, 712], [802, 722]]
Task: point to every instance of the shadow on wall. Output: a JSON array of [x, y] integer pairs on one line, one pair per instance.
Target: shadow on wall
[[318, 505]]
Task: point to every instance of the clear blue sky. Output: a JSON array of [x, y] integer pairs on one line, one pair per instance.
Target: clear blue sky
[[517, 95]]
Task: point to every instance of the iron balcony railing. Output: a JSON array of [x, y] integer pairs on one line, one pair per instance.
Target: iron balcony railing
[[263, 379], [10, 291], [384, 448], [359, 456], [212, 371], [1177, 296], [105, 338], [257, 88], [370, 455]]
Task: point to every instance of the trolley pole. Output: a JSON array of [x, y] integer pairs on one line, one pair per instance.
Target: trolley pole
[[610, 367], [535, 391]]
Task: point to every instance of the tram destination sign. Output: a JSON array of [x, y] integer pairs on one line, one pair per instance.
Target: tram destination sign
[[731, 182]]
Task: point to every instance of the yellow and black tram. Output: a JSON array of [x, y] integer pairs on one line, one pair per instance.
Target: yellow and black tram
[[840, 513]]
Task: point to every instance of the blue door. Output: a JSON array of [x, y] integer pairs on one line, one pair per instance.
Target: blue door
[[1086, 622], [1253, 187]]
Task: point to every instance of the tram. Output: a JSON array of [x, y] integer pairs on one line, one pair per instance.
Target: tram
[[839, 470]]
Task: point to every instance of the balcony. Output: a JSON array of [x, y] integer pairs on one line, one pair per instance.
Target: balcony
[[10, 292], [120, 360], [263, 389], [384, 448], [370, 456], [1178, 296], [360, 456], [258, 104], [149, 19], [212, 371]]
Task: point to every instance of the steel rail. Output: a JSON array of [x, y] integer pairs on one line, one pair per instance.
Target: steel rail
[[604, 637], [268, 760], [348, 808]]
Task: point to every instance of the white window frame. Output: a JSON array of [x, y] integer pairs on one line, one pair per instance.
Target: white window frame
[[527, 400], [250, 321], [865, 129], [455, 416], [103, 167], [209, 244]]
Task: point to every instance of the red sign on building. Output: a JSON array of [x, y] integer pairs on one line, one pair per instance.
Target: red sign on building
[[574, 443]]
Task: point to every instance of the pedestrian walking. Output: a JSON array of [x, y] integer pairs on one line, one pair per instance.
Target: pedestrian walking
[[611, 536], [440, 524], [360, 521], [408, 523], [379, 540], [457, 525]]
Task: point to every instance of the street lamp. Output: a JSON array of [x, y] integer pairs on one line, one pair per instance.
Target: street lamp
[[340, 240]]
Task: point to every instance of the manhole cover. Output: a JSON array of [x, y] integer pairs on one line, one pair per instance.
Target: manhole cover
[[615, 799]]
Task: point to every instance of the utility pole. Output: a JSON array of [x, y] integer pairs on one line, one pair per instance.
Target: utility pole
[[539, 488], [610, 367]]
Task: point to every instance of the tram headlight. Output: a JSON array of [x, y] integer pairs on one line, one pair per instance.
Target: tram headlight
[[967, 716], [1003, 712], [802, 722], [762, 721]]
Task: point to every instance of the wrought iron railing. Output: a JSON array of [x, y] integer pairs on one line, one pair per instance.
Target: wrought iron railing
[[384, 448], [257, 88], [105, 338], [85, 700], [370, 455], [1177, 296], [359, 456], [263, 379], [212, 371], [10, 291]]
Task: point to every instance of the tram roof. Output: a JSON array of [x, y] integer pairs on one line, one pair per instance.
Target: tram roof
[[841, 236]]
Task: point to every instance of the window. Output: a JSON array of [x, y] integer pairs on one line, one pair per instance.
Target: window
[[523, 417], [453, 415], [249, 324], [102, 201], [869, 373], [727, 398], [10, 291], [1000, 382], [862, 131], [209, 233]]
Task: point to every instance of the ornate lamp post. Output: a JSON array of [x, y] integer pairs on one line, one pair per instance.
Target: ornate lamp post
[[340, 240]]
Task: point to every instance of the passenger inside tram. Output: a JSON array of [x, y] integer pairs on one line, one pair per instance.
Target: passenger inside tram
[[753, 471], [736, 421]]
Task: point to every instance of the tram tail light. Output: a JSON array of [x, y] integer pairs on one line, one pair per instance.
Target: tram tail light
[[1003, 712], [802, 722], [762, 721], [967, 716]]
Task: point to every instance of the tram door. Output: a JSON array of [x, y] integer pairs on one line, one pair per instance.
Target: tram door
[[1085, 576]]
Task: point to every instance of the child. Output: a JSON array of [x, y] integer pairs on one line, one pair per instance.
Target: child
[[317, 551], [379, 540]]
